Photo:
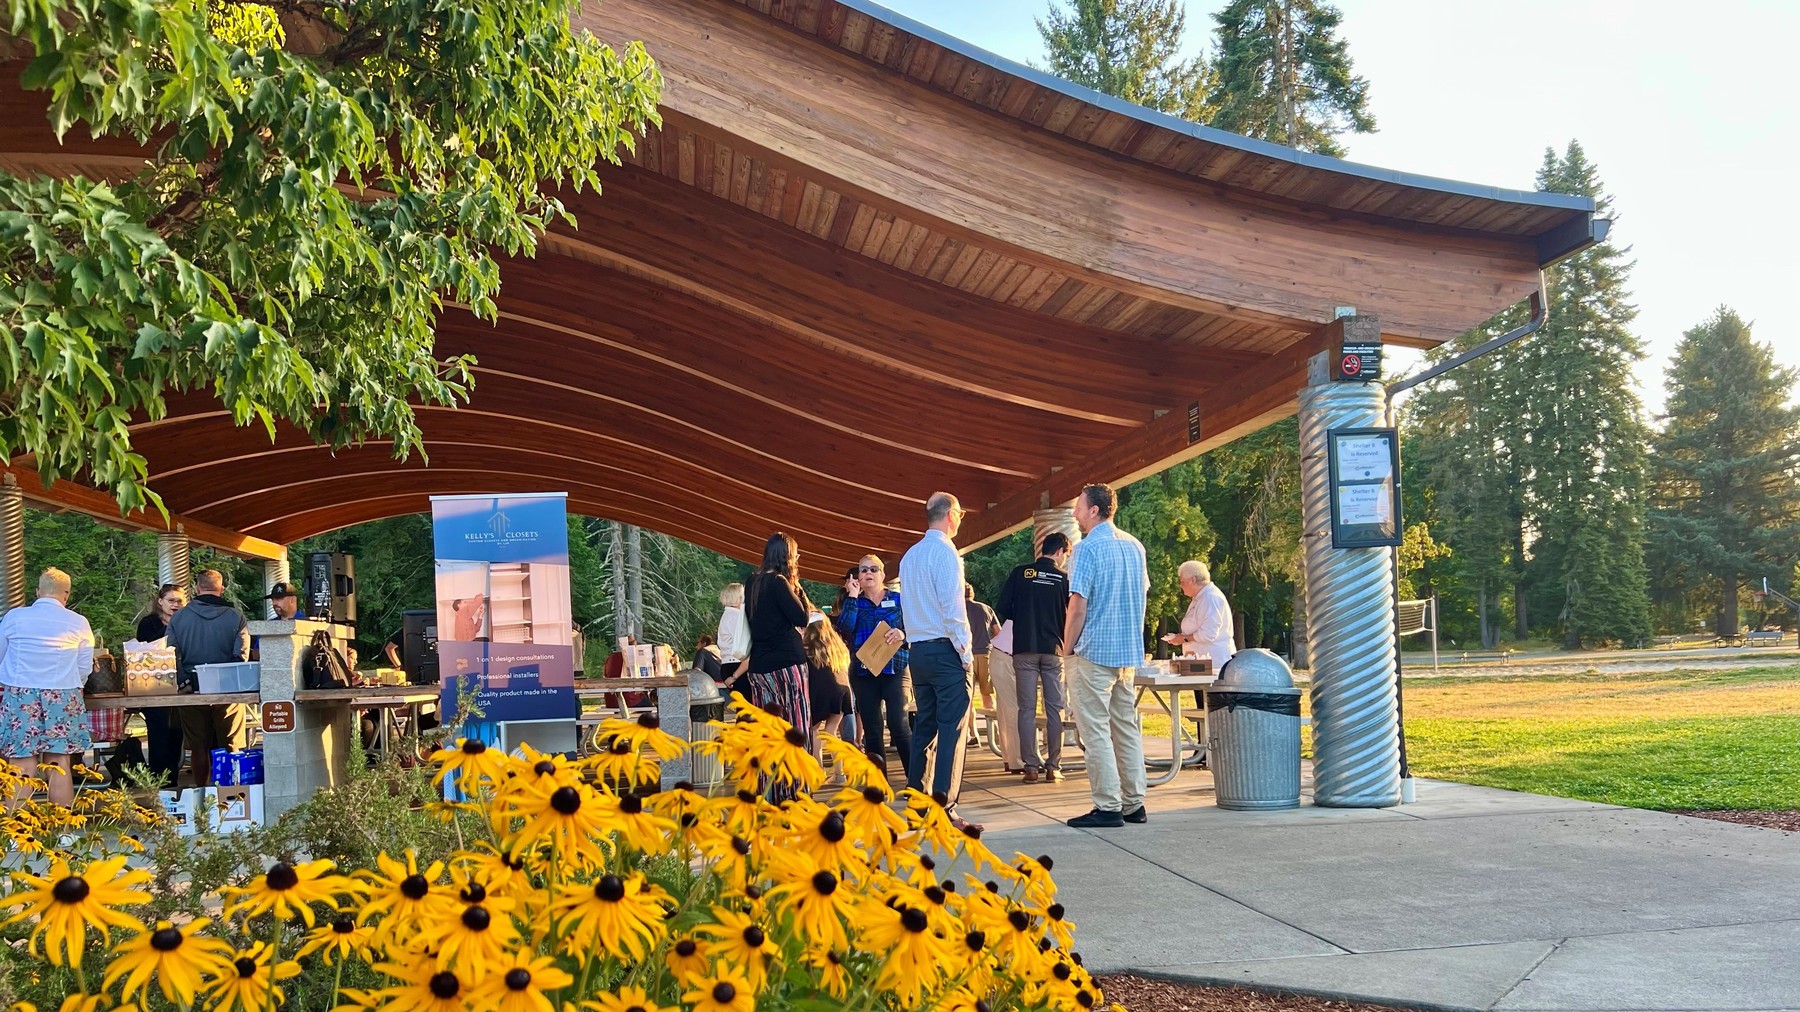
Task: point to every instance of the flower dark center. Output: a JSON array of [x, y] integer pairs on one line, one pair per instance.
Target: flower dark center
[[1084, 998], [975, 940], [832, 827], [475, 893], [344, 925], [621, 747], [874, 795], [566, 800], [246, 967], [754, 937], [610, 888], [444, 985], [833, 958], [752, 893], [282, 877], [935, 895], [913, 920], [971, 830], [1062, 971], [926, 862], [741, 845], [686, 948], [414, 887], [982, 1006], [1044, 859], [1018, 920], [824, 883], [724, 993], [471, 747], [746, 797], [992, 886], [949, 887], [543, 768], [631, 804], [73, 889], [684, 785], [518, 979], [649, 720], [689, 820], [166, 939], [795, 737], [1043, 945], [1056, 911], [477, 918], [515, 863]]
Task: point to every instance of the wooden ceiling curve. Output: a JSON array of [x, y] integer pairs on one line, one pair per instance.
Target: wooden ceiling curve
[[861, 262]]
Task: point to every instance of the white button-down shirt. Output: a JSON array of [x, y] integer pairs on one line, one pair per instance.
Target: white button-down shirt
[[45, 646], [931, 574], [1208, 621]]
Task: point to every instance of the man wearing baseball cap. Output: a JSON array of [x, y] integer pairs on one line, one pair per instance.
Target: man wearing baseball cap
[[285, 599]]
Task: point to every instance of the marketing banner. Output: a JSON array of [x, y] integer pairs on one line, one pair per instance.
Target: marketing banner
[[505, 626]]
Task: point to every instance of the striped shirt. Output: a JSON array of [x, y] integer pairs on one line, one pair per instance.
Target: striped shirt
[[1110, 574], [932, 574]]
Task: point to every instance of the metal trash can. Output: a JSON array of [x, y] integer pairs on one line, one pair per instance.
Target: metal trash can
[[1253, 731], [704, 704]]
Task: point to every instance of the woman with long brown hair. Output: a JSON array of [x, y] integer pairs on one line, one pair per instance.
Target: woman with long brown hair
[[776, 609]]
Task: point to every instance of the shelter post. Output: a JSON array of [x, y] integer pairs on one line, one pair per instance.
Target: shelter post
[[12, 544], [1054, 520], [172, 558], [274, 571], [309, 752], [1350, 593]]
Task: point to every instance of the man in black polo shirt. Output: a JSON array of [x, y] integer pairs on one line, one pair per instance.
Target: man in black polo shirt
[[1036, 600]]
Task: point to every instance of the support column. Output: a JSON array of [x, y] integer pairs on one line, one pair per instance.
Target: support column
[[1053, 520], [172, 558], [274, 571], [1349, 594], [12, 544], [634, 578]]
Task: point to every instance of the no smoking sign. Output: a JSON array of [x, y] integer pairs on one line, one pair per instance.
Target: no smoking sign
[[1358, 363]]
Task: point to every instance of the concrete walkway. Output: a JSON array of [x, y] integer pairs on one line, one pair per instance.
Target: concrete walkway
[[1471, 898]]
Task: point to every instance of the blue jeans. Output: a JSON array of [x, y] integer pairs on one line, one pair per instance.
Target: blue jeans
[[941, 688], [872, 694]]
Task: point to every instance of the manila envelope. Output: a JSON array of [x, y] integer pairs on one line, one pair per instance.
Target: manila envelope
[[877, 651]]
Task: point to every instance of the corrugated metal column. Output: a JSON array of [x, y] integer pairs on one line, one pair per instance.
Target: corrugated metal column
[[172, 558], [1045, 522], [1350, 594], [12, 544], [274, 571]]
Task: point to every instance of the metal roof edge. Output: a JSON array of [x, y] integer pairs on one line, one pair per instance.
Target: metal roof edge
[[1213, 135]]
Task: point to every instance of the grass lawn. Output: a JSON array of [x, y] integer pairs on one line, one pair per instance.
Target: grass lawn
[[1685, 739]]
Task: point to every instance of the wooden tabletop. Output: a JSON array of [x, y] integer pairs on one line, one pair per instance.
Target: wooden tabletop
[[598, 686], [121, 701], [370, 695], [1165, 680]]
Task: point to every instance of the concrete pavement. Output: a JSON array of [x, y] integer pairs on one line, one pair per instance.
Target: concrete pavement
[[1471, 898]]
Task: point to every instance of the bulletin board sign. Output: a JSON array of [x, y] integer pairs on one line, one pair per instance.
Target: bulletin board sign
[[1365, 487]]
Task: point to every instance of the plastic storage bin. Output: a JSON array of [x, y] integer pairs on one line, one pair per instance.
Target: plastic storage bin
[[238, 676]]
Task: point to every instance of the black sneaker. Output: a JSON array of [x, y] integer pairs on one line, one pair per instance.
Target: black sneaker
[[1137, 815], [1098, 819]]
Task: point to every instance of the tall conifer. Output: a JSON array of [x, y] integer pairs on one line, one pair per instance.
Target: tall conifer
[[1285, 76], [1129, 49]]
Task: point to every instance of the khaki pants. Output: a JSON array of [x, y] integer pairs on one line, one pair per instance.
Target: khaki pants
[[1006, 706], [1106, 712], [983, 680]]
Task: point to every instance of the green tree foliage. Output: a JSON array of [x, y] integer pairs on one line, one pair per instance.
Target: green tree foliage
[[1726, 496], [396, 572], [1283, 75], [1417, 549], [315, 189], [1250, 489], [1163, 511], [114, 571], [1129, 49]]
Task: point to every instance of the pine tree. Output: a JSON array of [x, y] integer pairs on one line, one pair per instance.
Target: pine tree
[[1581, 439], [1129, 49], [1726, 500], [1285, 76]]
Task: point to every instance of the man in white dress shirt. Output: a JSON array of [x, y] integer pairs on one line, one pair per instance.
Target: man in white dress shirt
[[46, 655]]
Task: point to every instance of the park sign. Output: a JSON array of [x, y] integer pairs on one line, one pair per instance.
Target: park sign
[[1365, 490], [1358, 358]]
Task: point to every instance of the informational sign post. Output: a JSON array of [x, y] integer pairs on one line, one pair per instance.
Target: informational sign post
[[505, 629], [1365, 500]]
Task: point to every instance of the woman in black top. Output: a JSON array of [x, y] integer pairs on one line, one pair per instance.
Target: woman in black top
[[777, 610], [161, 728]]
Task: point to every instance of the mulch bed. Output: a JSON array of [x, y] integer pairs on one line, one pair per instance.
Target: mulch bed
[[1141, 994], [1787, 820]]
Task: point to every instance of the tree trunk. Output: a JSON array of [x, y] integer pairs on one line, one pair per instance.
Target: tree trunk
[[634, 578], [616, 560], [1302, 644], [1490, 634], [1728, 604]]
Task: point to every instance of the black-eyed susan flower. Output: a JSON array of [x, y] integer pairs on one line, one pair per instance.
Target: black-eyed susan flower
[[684, 959], [1016, 944], [730, 857], [401, 897], [624, 765], [626, 999], [834, 976], [517, 983], [928, 817], [816, 898], [739, 940], [570, 821], [1034, 872], [622, 917], [420, 986], [868, 811], [473, 938], [499, 872], [849, 759], [725, 989], [644, 732], [642, 830], [176, 958], [743, 812], [821, 834], [914, 954], [339, 938], [65, 904], [248, 983], [1058, 926], [289, 890], [473, 762]]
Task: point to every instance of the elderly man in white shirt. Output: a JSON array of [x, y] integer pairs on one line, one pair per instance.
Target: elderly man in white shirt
[[1206, 629], [46, 655]]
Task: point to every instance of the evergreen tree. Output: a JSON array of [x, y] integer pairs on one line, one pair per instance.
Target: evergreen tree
[[1129, 49], [1283, 75], [1726, 500]]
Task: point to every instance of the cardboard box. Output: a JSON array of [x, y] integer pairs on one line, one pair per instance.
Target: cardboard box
[[1191, 666], [234, 809], [179, 806]]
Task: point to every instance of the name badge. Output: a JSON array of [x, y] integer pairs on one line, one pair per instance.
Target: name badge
[[887, 604]]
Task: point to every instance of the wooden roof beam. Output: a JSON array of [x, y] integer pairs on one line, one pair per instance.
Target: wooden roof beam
[[67, 496]]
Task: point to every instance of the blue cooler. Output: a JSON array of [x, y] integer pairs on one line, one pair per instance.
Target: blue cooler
[[224, 768], [250, 766]]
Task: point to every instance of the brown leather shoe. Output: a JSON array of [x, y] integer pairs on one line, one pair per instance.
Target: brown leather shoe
[[1054, 776], [1031, 776]]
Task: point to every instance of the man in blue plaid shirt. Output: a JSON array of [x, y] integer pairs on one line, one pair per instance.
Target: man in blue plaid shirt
[[1109, 582]]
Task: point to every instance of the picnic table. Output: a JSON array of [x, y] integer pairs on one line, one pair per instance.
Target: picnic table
[[1166, 689]]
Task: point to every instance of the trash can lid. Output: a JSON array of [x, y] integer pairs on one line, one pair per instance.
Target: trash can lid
[[1256, 670], [701, 687]]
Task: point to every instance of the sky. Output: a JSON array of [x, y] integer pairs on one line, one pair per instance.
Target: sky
[[1688, 113]]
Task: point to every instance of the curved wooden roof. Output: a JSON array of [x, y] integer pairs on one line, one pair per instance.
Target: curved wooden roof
[[861, 262]]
